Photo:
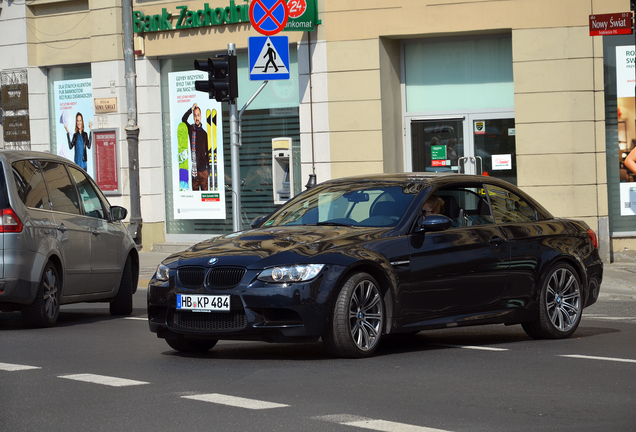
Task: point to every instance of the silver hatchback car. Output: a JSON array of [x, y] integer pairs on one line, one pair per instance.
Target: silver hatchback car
[[61, 241]]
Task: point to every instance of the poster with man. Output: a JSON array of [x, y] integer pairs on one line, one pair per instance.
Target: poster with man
[[197, 149], [73, 101], [626, 111]]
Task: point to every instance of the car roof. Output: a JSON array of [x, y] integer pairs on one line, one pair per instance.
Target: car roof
[[419, 177], [15, 155]]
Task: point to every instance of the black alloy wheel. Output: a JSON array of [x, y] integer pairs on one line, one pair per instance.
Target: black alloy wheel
[[358, 318], [560, 305]]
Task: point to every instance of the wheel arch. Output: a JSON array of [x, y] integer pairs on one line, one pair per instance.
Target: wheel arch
[[575, 264], [384, 282]]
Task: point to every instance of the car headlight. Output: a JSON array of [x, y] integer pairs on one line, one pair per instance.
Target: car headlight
[[162, 273], [293, 273]]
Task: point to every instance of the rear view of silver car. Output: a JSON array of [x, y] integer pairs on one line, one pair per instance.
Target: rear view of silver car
[[61, 241]]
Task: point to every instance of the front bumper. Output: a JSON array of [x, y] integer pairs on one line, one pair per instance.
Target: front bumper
[[258, 310]]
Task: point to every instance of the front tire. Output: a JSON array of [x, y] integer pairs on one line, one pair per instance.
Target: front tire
[[191, 345], [358, 318], [122, 304], [45, 309], [560, 307]]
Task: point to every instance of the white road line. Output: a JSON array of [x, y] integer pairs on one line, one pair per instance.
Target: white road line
[[600, 358], [606, 318], [137, 318], [378, 425], [104, 380], [16, 367], [473, 347], [235, 401]]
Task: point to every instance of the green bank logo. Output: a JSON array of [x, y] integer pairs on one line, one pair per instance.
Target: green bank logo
[[305, 19], [189, 19]]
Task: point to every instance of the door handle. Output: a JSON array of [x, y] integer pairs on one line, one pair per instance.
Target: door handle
[[62, 228], [496, 240], [480, 167], [95, 232]]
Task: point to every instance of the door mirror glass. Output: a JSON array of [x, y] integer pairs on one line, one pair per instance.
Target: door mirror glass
[[118, 213], [258, 221], [433, 223]]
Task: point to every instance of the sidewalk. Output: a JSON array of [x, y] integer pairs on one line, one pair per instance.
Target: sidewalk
[[619, 279]]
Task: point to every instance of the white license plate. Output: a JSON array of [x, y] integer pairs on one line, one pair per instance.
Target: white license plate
[[203, 302]]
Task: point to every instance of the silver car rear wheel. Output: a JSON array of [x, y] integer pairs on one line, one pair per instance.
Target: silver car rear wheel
[[45, 309]]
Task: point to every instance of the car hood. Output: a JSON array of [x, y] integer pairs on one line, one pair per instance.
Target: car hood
[[262, 247]]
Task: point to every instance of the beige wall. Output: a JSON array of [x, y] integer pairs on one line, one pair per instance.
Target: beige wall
[[74, 31]]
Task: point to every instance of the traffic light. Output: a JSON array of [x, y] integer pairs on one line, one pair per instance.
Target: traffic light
[[222, 83]]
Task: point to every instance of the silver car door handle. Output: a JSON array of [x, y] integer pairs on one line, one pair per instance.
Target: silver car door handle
[[62, 228], [95, 232]]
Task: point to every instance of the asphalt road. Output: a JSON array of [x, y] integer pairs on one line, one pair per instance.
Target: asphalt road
[[94, 372]]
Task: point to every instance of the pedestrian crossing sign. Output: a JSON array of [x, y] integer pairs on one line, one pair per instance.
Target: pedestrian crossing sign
[[269, 58]]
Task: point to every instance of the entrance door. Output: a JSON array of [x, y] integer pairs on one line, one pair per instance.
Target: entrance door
[[482, 144]]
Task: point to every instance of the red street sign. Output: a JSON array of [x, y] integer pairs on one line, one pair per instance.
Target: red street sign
[[268, 17], [611, 24]]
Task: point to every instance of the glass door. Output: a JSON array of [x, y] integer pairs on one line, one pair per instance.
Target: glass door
[[493, 142], [473, 144], [437, 145]]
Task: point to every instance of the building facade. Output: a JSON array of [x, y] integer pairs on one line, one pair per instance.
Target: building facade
[[514, 89]]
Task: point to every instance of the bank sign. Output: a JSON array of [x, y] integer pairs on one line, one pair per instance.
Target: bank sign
[[302, 17]]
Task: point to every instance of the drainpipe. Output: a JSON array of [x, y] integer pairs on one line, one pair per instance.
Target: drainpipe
[[132, 130]]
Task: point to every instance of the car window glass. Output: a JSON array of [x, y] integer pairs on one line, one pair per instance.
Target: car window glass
[[30, 183], [63, 195], [509, 207], [92, 204], [355, 205], [465, 206]]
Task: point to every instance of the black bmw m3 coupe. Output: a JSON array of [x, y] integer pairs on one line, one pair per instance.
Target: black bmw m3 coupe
[[354, 259]]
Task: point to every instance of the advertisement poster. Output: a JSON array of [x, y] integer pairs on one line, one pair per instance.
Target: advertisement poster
[[625, 81], [106, 166], [74, 120], [197, 149]]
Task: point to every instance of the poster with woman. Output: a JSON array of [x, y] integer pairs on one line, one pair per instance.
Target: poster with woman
[[626, 111], [74, 119]]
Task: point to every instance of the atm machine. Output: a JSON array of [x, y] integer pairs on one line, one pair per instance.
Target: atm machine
[[282, 170]]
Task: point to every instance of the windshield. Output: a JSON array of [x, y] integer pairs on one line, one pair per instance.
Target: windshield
[[364, 205]]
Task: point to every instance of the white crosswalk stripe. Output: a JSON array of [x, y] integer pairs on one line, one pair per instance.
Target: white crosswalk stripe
[[104, 380], [473, 347], [377, 425], [16, 367], [234, 401], [614, 359]]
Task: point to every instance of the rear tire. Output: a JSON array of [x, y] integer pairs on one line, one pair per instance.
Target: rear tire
[[560, 306], [358, 318], [122, 304], [45, 309], [191, 345]]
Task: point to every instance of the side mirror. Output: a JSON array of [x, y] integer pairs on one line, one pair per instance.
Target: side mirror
[[118, 213], [258, 221], [433, 223]]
